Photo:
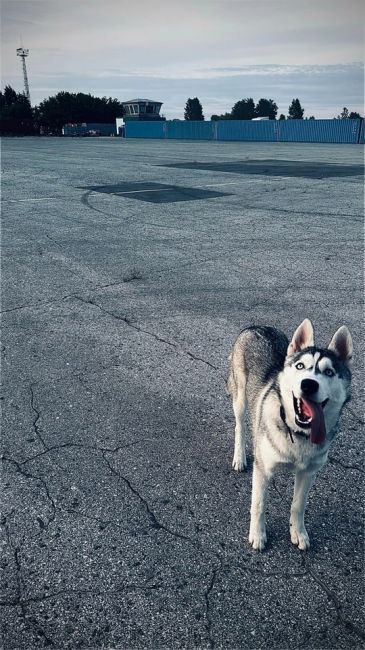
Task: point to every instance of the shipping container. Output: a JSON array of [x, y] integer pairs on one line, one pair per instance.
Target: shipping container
[[263, 131], [331, 131], [189, 130], [322, 131]]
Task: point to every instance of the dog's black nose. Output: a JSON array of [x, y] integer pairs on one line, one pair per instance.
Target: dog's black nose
[[309, 386]]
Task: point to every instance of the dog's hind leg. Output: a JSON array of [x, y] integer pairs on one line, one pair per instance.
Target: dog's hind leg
[[239, 407]]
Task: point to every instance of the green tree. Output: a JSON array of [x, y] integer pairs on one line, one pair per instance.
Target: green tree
[[65, 107], [10, 96], [15, 113], [344, 115], [266, 108], [225, 116], [243, 109], [296, 111], [282, 116], [15, 105], [193, 110]]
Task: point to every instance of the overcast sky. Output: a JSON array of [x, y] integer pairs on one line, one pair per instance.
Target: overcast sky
[[169, 50]]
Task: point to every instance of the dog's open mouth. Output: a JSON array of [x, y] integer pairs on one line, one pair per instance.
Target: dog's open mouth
[[309, 415]]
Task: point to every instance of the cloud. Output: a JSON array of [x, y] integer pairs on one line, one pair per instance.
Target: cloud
[[323, 90], [220, 50]]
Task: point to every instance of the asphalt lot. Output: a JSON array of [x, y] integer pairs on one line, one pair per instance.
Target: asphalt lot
[[128, 269]]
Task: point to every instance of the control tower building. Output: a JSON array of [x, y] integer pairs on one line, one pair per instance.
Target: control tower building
[[142, 109]]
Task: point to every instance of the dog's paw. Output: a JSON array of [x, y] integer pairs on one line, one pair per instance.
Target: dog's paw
[[299, 537], [257, 539], [239, 463]]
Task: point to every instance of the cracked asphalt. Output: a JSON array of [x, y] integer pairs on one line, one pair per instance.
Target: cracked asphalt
[[124, 526]]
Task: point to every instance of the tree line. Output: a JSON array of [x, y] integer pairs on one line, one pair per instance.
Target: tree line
[[246, 109], [17, 117]]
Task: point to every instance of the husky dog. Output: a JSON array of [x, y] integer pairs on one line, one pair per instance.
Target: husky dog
[[295, 393]]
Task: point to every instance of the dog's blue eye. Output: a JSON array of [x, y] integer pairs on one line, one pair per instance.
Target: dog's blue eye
[[329, 372], [299, 366]]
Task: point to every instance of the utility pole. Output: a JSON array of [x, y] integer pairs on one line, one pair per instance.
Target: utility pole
[[22, 52]]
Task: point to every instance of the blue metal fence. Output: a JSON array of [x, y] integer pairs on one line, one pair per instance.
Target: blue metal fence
[[265, 131], [331, 131], [136, 129], [189, 130], [362, 133], [334, 131]]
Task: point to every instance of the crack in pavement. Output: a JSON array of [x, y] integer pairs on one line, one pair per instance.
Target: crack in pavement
[[155, 523], [336, 461], [86, 592], [19, 601], [102, 522], [37, 428], [124, 280], [340, 618], [206, 596], [40, 303], [136, 327], [37, 416], [77, 445], [28, 475], [54, 241], [250, 570], [355, 416], [19, 579]]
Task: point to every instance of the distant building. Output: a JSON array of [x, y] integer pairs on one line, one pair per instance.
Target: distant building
[[142, 109], [88, 129]]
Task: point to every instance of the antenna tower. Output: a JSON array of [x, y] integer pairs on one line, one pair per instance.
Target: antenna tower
[[22, 52]]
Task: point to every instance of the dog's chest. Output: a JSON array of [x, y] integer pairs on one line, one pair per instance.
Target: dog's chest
[[277, 447]]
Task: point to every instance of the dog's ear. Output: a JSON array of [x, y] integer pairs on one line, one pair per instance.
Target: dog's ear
[[303, 337], [341, 344]]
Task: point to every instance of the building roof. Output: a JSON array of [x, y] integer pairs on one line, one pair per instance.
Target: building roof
[[139, 101]]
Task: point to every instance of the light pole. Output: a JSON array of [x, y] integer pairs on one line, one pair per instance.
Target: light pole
[[22, 52]]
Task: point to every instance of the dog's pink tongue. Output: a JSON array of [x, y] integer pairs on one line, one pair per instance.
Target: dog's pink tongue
[[318, 426]]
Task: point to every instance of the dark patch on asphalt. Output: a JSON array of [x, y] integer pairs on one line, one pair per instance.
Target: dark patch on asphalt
[[303, 169], [156, 192]]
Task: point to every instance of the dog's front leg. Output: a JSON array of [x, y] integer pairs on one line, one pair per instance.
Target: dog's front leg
[[298, 534], [260, 483]]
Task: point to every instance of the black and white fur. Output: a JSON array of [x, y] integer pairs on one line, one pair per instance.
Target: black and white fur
[[266, 375]]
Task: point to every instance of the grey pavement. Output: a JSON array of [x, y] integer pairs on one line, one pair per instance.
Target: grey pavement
[[128, 269]]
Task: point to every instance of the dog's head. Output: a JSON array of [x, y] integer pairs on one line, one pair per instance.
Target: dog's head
[[315, 382]]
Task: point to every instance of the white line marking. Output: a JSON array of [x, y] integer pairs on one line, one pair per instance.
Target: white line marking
[[170, 189], [218, 184], [45, 198], [106, 194], [160, 189]]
